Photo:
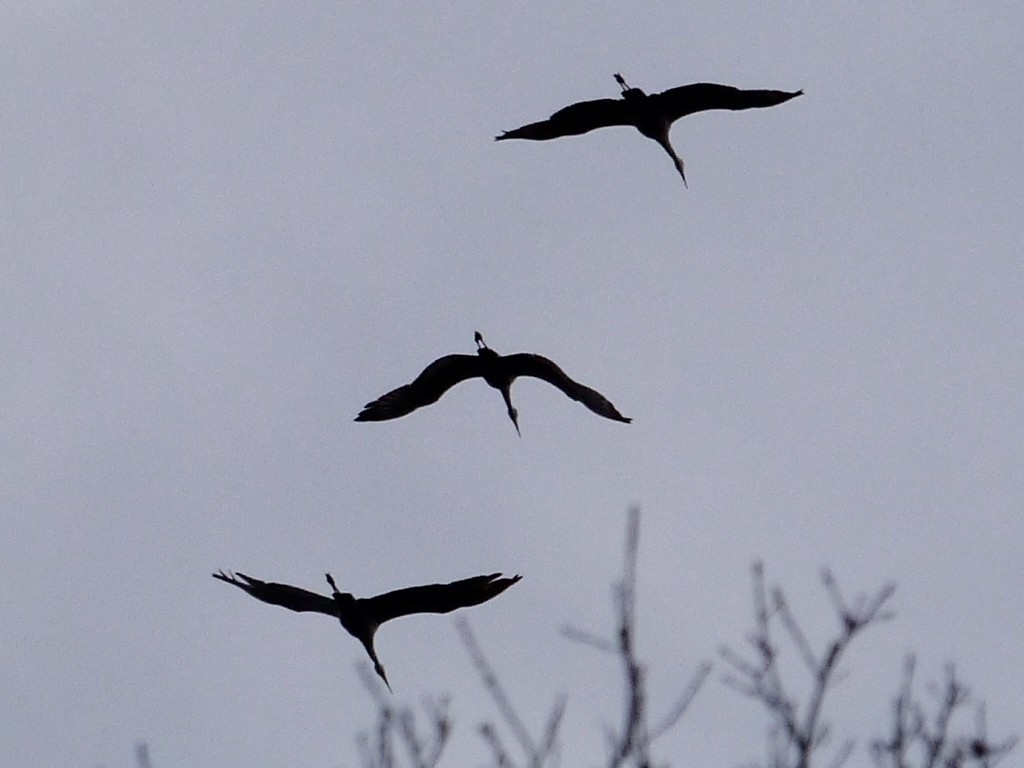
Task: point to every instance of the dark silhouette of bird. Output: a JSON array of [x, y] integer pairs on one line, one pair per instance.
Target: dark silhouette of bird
[[497, 370], [652, 114], [362, 616]]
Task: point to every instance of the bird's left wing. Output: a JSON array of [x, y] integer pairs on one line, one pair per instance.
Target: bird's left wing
[[573, 120], [437, 598], [285, 595], [527, 364], [436, 379], [698, 97]]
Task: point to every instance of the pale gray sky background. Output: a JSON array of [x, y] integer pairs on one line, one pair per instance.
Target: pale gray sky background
[[227, 226]]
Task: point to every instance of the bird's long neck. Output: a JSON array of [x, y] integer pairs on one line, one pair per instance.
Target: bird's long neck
[[377, 666], [677, 161], [506, 392]]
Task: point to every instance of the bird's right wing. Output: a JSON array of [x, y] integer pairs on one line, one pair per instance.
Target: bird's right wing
[[573, 120], [699, 97], [437, 598], [540, 367], [285, 595], [436, 379]]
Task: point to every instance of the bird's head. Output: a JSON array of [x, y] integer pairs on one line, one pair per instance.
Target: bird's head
[[479, 339]]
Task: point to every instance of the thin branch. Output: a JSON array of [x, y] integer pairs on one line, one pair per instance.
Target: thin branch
[[913, 733], [490, 734], [494, 688], [683, 702], [795, 736], [549, 739], [632, 741], [378, 750], [585, 638], [142, 755], [843, 754], [796, 634]]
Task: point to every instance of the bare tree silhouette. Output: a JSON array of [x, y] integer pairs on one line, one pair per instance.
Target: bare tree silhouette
[[630, 744], [796, 733], [799, 731], [536, 753], [633, 741], [919, 736], [397, 725], [920, 741]]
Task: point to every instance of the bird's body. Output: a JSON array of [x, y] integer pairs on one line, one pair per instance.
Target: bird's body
[[652, 114], [361, 617], [497, 370]]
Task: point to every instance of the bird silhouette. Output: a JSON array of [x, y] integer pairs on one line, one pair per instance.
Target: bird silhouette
[[652, 114], [497, 370], [362, 616]]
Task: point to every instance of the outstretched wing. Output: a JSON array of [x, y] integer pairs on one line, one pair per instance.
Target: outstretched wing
[[573, 120], [285, 595], [436, 598], [436, 379], [698, 97], [526, 364]]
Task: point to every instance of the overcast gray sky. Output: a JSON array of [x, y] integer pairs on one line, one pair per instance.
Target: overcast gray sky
[[227, 226]]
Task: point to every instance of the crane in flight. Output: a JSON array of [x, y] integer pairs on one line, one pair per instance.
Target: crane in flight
[[497, 370], [362, 616], [652, 114]]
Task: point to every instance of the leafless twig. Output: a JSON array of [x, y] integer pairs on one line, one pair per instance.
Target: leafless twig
[[798, 731], [536, 754], [633, 740], [378, 750], [918, 740]]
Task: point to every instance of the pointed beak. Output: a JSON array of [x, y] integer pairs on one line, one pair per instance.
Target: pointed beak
[[384, 677], [514, 415]]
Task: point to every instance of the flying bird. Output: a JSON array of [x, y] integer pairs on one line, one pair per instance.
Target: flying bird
[[362, 616], [497, 370], [652, 114]]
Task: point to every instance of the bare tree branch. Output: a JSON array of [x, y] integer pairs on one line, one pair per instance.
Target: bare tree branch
[[493, 686], [683, 702], [535, 755], [142, 755], [378, 750], [798, 731], [585, 638], [796, 735], [490, 734], [930, 738], [632, 742]]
